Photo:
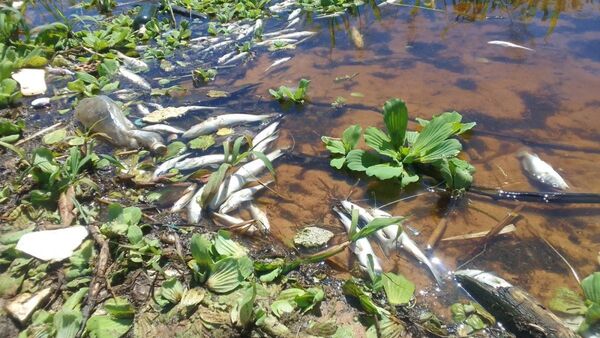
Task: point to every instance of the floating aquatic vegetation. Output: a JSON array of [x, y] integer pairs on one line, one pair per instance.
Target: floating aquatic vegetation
[[571, 303], [401, 154], [295, 95]]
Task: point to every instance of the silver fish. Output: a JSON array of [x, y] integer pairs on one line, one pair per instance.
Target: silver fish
[[357, 38], [267, 132], [194, 209], [294, 35], [59, 71], [278, 62], [156, 106], [135, 79], [260, 217], [142, 109], [282, 6], [167, 165], [407, 243], [225, 57], [237, 57], [229, 221], [293, 22], [199, 162], [244, 174], [40, 102], [294, 14], [541, 171], [132, 63], [239, 197], [279, 32], [217, 46], [185, 198], [509, 45], [366, 217], [163, 128], [361, 248], [214, 123]]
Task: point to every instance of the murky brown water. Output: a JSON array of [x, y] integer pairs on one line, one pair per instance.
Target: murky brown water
[[437, 61]]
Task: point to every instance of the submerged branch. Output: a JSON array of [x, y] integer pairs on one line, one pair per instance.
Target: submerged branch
[[534, 196]]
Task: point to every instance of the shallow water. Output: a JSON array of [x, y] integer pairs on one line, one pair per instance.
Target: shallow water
[[437, 61]]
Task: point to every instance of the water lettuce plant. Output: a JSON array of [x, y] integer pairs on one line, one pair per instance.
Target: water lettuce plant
[[296, 95], [569, 302], [400, 154]]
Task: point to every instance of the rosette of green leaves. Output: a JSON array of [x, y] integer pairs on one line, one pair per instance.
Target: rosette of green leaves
[[401, 154]]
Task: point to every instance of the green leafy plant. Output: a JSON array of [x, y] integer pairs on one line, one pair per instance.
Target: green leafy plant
[[473, 316], [401, 154], [201, 75], [295, 95], [103, 6], [569, 302], [227, 10], [88, 85]]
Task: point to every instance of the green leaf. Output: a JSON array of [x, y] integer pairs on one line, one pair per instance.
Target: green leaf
[[385, 171], [241, 314], [398, 289], [434, 133], [200, 248], [380, 142], [172, 290], [224, 276], [350, 137], [119, 308], [458, 312], [227, 247], [375, 225], [475, 322], [395, 117], [261, 156], [8, 127], [360, 160], [67, 323], [134, 234], [279, 307], [107, 327], [214, 182], [337, 163], [202, 142], [335, 146], [446, 149], [591, 287], [567, 301]]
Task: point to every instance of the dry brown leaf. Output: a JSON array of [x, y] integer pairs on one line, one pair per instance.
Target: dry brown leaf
[[66, 208]]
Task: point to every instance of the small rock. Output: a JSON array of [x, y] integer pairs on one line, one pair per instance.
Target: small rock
[[25, 304], [32, 81], [312, 237]]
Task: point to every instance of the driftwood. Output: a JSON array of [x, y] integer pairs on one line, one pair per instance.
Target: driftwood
[[518, 311]]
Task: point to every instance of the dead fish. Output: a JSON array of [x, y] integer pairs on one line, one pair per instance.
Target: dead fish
[[517, 310], [132, 63], [40, 102], [366, 218], [361, 248], [185, 198], [509, 45], [225, 57], [244, 174], [278, 62], [194, 209], [167, 165], [260, 217], [237, 57], [282, 6], [163, 128], [541, 171], [142, 109], [214, 123], [357, 38], [199, 162], [293, 22], [134, 79], [156, 106], [294, 35], [241, 196], [59, 71], [406, 243], [294, 14], [231, 221], [279, 32], [265, 136], [217, 46]]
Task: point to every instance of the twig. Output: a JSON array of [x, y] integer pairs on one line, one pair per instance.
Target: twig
[[41, 132], [98, 278], [507, 229], [440, 229]]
